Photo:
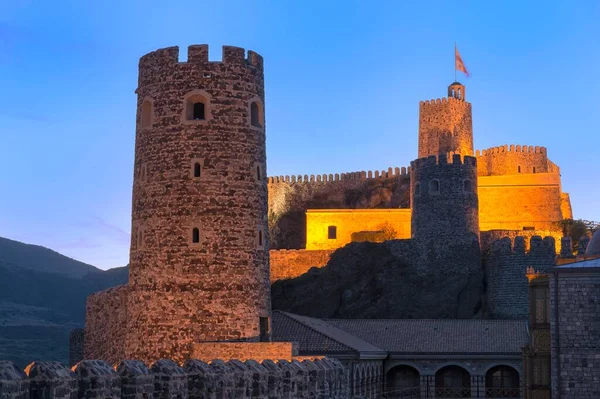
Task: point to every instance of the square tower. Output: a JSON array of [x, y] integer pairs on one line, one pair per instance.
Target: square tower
[[446, 125]]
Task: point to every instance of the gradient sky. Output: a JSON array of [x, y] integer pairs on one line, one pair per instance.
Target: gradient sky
[[343, 84]]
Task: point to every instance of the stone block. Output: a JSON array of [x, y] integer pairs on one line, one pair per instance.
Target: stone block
[[136, 380], [259, 378], [202, 381], [225, 379], [274, 379], [170, 380], [51, 380], [97, 379], [13, 381], [242, 379]]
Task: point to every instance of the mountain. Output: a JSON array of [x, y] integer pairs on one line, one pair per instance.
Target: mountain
[[42, 298], [15, 254]]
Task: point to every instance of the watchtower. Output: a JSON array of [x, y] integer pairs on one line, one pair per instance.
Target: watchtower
[[199, 261], [444, 198], [446, 125]]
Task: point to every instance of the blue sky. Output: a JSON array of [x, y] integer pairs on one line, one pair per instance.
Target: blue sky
[[343, 83]]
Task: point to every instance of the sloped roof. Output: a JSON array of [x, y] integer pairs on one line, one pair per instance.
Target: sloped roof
[[316, 336], [427, 336], [593, 247]]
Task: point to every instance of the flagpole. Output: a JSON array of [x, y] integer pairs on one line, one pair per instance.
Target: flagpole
[[455, 61]]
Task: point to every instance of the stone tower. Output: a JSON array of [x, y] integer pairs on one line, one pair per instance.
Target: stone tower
[[446, 125], [199, 261], [444, 198]]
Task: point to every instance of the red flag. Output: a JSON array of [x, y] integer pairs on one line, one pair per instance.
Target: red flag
[[459, 65]]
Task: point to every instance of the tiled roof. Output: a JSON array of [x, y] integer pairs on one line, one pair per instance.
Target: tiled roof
[[583, 264], [316, 336], [427, 336]]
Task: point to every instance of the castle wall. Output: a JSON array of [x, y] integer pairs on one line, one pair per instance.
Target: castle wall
[[575, 299], [215, 286], [106, 324], [348, 221], [445, 126], [506, 265], [512, 202], [258, 351], [565, 206], [287, 264], [488, 238], [514, 159]]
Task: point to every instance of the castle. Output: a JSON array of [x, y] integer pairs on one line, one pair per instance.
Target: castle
[[518, 187]]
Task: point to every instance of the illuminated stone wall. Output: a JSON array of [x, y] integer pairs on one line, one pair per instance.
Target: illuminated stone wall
[[105, 324], [295, 262], [348, 221], [259, 351], [514, 159]]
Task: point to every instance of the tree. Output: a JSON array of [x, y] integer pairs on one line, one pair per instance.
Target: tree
[[577, 229]]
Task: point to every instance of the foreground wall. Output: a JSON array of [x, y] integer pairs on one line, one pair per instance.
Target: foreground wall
[[293, 263], [325, 378]]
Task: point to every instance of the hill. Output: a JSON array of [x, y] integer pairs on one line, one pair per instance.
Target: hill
[[42, 297]]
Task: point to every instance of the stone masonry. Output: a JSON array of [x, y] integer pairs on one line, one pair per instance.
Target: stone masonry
[[199, 260]]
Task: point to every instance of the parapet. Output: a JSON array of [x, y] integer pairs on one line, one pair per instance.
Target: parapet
[[338, 177], [446, 159], [198, 54], [444, 100], [537, 246], [302, 377], [511, 148]]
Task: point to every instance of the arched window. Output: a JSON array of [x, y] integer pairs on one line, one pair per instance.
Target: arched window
[[417, 189], [195, 235], [146, 119], [403, 382], [467, 187], [196, 107], [452, 382], [434, 187], [197, 169], [502, 382], [459, 94], [256, 114]]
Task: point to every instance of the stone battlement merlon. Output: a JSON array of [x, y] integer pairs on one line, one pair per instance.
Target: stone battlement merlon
[[338, 177], [198, 54], [444, 159], [537, 246], [511, 148], [444, 100]]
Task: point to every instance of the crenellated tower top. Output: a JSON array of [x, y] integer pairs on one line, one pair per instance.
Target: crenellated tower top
[[446, 125]]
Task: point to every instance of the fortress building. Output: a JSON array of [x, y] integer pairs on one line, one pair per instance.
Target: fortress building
[[516, 188], [199, 260]]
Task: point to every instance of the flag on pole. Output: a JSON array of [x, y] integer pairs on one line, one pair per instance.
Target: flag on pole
[[459, 65]]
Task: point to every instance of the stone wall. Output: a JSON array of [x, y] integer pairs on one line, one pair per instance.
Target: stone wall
[[512, 202], [506, 264], [259, 351], [76, 346], [347, 222], [106, 324], [575, 332], [165, 379], [293, 263], [445, 125], [514, 159]]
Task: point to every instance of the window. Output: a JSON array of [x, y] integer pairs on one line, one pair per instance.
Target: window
[[196, 107], [528, 227], [467, 186], [332, 232], [143, 172], [417, 189], [195, 235], [256, 114], [542, 306], [260, 238], [197, 169], [198, 111], [452, 382], [534, 169], [146, 119], [140, 238], [434, 187], [519, 169], [263, 325], [502, 382], [257, 172]]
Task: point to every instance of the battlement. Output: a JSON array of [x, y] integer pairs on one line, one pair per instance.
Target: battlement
[[198, 54], [337, 177], [517, 246], [444, 100], [447, 159], [512, 148]]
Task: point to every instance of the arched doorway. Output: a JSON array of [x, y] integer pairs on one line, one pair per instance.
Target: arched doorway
[[403, 382], [452, 382], [502, 382]]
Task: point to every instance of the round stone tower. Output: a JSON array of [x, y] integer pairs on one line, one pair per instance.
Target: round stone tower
[[199, 261], [444, 199], [446, 124]]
